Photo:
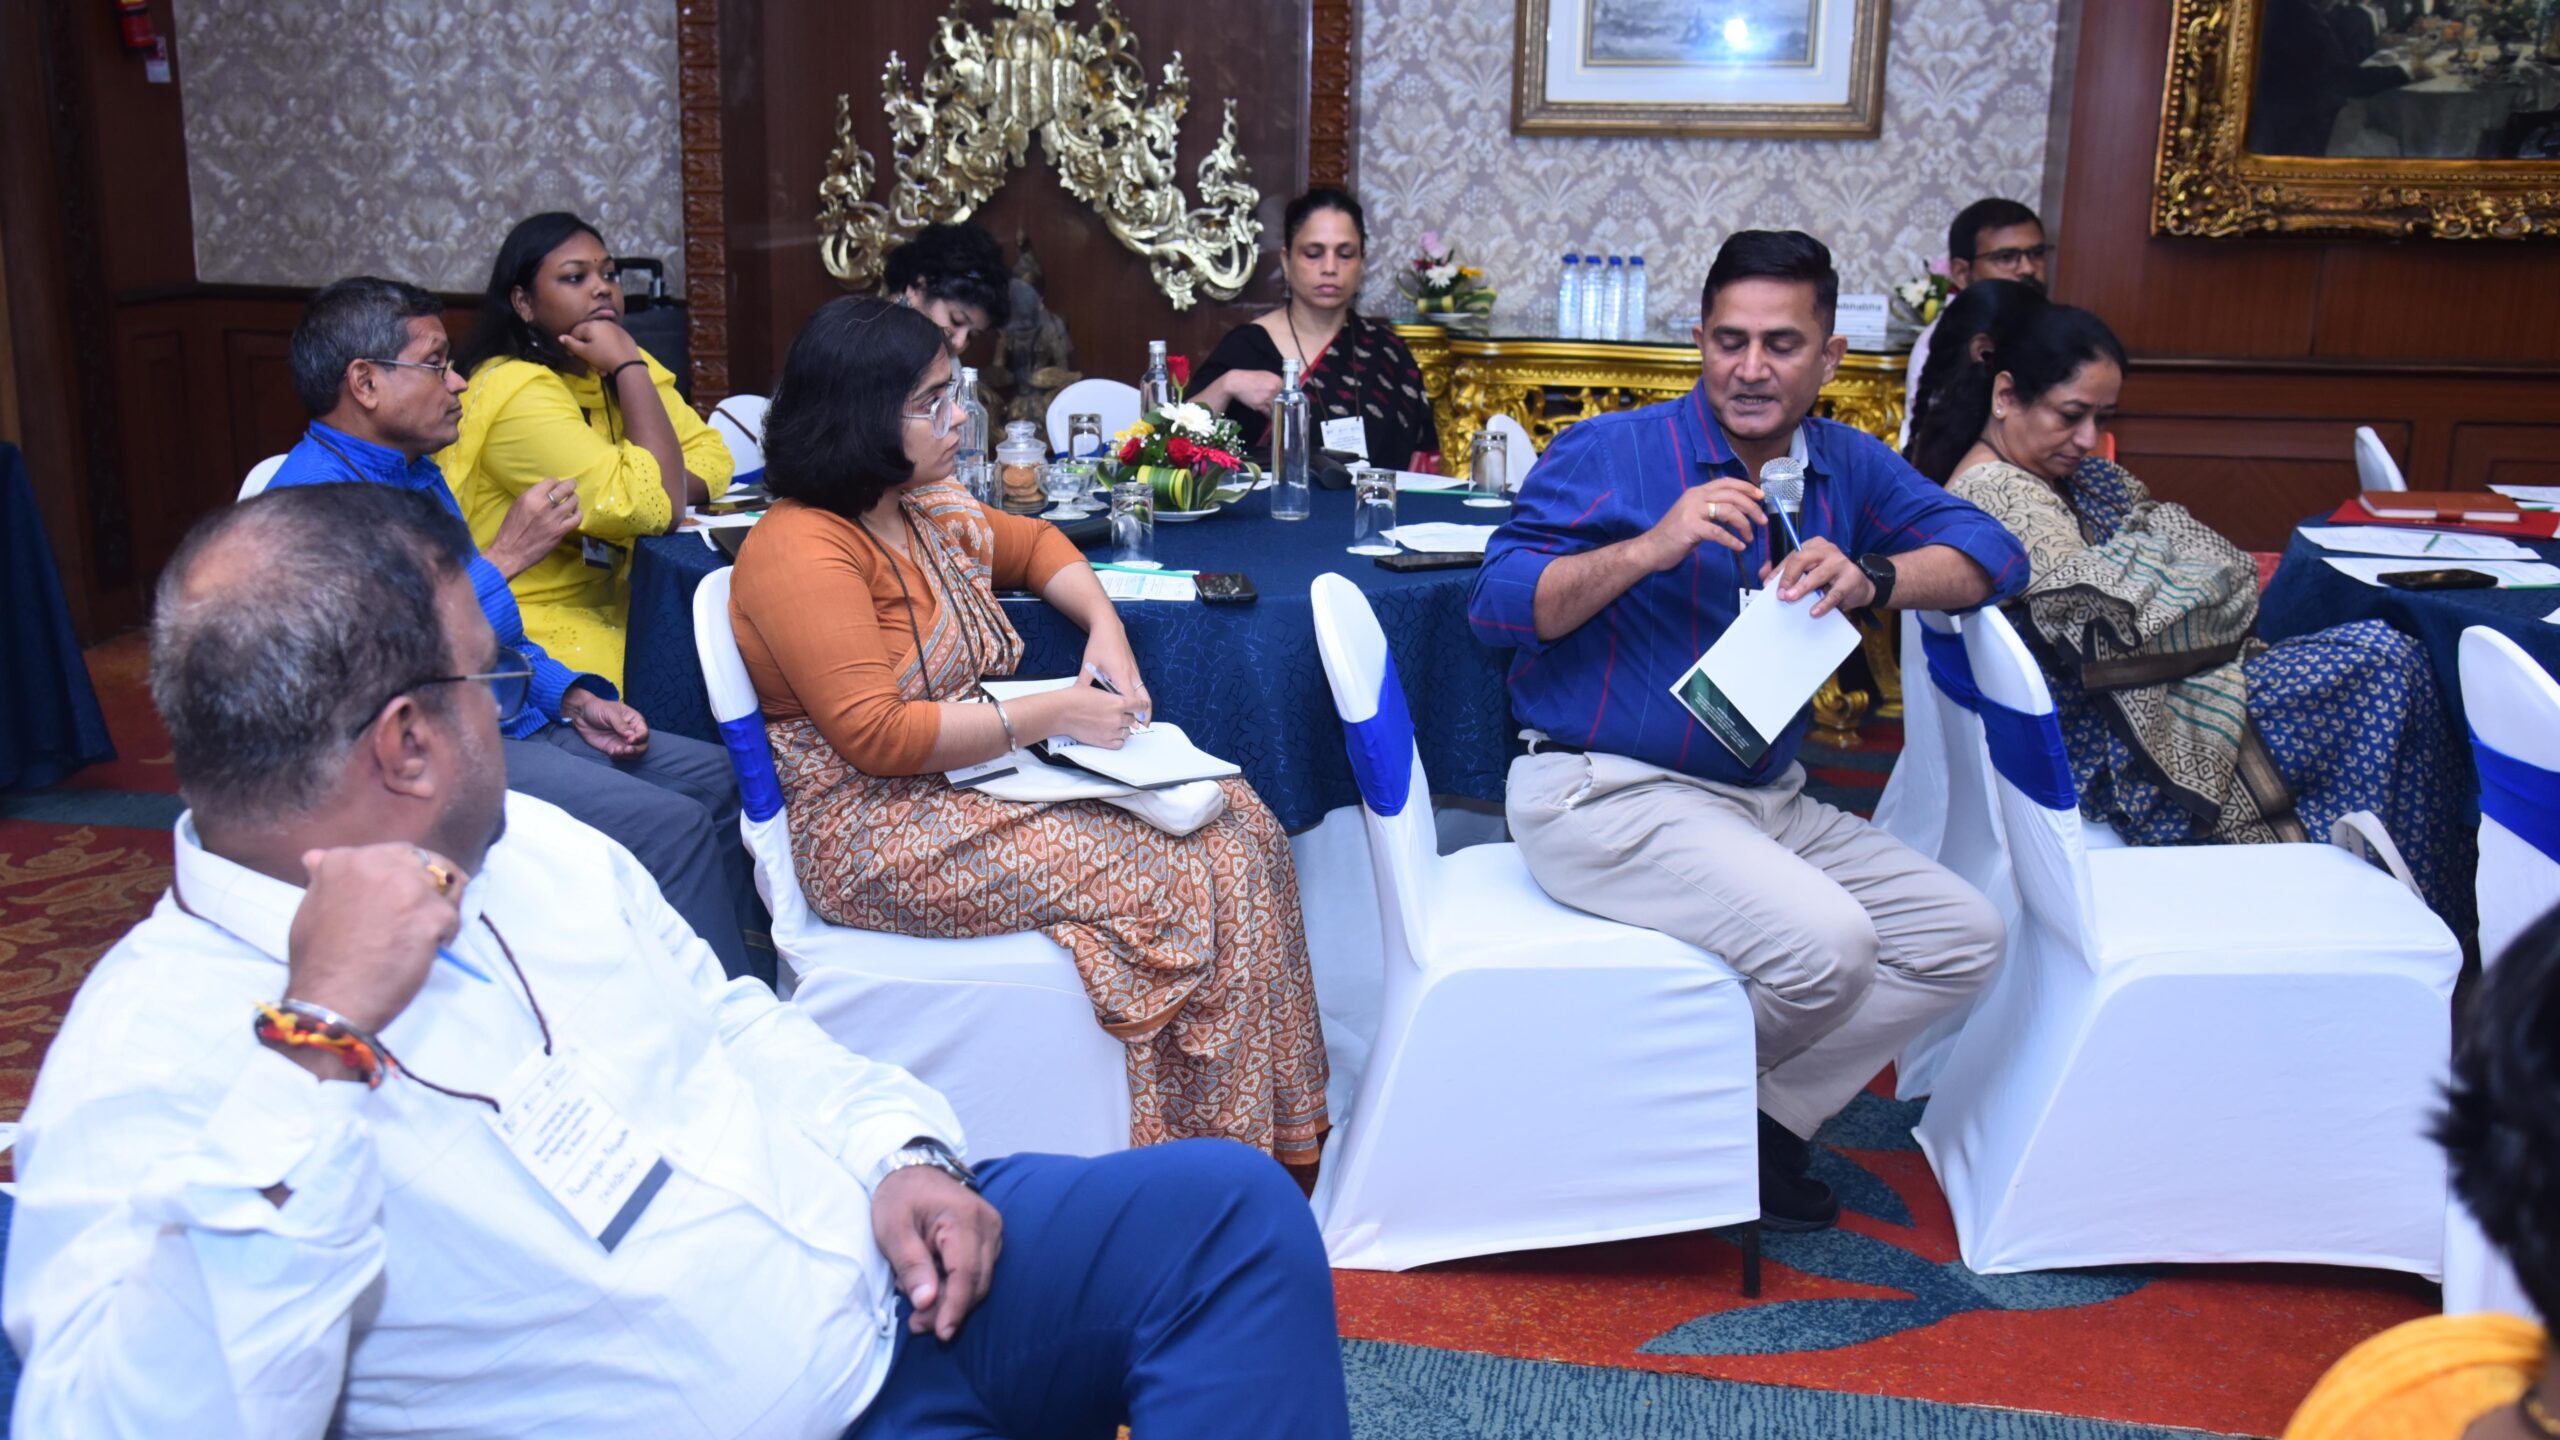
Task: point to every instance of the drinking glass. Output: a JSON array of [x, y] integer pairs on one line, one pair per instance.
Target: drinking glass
[[1488, 470], [1064, 485], [978, 477], [1133, 522], [1084, 437], [1373, 510]]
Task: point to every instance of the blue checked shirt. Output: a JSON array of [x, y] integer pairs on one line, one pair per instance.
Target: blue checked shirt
[[329, 456], [1607, 685]]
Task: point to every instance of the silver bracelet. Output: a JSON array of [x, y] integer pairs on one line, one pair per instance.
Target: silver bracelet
[[1011, 740]]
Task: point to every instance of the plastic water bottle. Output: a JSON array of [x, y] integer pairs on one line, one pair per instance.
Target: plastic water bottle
[[971, 466], [1155, 388], [1590, 329], [1613, 301], [1569, 299], [1633, 321], [1289, 424]]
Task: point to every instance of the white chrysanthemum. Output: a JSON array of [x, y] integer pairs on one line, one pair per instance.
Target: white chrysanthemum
[[1192, 420], [1441, 274]]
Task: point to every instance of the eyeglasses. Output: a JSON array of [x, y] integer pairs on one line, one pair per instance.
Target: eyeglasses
[[441, 367], [2011, 259], [943, 409], [509, 685]]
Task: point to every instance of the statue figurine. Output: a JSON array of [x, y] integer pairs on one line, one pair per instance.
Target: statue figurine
[[1035, 358]]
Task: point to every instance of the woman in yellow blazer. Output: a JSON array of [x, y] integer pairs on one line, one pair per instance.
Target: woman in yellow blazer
[[559, 390]]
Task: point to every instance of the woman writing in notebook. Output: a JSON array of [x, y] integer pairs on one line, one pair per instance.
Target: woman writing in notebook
[[2183, 726], [865, 609]]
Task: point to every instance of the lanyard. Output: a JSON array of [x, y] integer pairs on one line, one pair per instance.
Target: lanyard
[[397, 1064]]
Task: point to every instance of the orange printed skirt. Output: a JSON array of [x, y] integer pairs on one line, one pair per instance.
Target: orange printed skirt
[[1192, 948]]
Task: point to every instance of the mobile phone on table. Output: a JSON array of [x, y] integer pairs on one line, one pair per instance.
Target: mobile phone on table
[[2449, 579], [1405, 561], [1225, 587]]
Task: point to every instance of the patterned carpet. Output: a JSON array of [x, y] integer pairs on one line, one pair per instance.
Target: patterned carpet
[[1872, 1330]]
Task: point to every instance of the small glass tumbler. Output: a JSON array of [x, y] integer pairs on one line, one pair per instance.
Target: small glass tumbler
[[1133, 522], [1488, 470], [1373, 511], [1084, 437], [1064, 485], [978, 477]]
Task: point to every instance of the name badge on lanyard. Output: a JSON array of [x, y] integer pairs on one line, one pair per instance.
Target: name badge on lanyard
[[577, 1147], [1348, 434]]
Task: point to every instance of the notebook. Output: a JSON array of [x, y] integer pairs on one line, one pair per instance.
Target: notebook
[[2455, 505], [1156, 758]]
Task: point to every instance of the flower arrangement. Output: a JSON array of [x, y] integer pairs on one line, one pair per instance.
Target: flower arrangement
[[1440, 285], [1921, 298], [1186, 453]]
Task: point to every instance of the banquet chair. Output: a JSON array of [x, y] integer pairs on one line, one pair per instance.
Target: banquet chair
[[259, 474], [1940, 801], [2514, 709], [1540, 1076], [740, 421], [999, 1024], [2193, 1053], [1115, 401], [2375, 469]]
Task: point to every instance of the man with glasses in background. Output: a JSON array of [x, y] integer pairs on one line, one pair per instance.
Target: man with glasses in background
[[1991, 239], [369, 361]]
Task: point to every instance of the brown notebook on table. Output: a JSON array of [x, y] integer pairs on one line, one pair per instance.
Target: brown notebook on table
[[2442, 506]]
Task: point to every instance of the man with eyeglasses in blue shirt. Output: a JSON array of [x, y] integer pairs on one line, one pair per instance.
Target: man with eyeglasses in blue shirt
[[369, 360]]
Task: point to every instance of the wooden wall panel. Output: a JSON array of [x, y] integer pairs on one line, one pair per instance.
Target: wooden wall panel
[[2254, 359], [783, 62]]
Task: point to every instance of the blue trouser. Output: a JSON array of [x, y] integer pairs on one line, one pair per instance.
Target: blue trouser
[[1180, 1290]]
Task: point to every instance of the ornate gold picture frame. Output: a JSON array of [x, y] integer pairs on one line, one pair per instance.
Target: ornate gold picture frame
[[2209, 182], [1743, 69]]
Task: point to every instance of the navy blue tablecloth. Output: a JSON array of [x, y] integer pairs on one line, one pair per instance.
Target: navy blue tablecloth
[[49, 719], [1243, 681], [2307, 595]]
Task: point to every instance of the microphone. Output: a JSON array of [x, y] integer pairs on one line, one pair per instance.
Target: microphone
[[1782, 480]]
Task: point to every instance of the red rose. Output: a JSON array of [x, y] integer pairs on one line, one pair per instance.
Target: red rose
[[1129, 451], [1180, 365], [1180, 451]]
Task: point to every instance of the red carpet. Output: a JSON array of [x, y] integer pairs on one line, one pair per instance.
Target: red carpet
[[1876, 1308]]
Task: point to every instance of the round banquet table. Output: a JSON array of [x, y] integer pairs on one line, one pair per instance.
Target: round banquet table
[[2307, 595], [1244, 681]]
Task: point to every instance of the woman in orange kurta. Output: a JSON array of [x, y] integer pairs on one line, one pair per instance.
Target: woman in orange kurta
[[865, 609], [2482, 1376]]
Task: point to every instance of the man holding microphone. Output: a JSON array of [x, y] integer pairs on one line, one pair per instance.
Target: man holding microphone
[[1636, 541]]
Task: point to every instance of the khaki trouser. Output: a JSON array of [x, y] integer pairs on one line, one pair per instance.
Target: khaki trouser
[[1851, 941]]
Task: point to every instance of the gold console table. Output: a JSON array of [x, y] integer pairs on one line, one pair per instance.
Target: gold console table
[[1547, 384]]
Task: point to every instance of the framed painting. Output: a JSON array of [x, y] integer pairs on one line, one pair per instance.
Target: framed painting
[[1799, 69], [2381, 117]]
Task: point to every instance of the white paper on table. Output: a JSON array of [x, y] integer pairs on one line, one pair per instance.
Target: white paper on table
[[2413, 544], [1416, 481], [2510, 574], [1143, 585], [696, 520], [2552, 619], [1749, 685], [1443, 537], [2532, 497]]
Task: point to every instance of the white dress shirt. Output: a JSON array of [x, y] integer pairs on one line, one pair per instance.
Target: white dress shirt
[[418, 1281]]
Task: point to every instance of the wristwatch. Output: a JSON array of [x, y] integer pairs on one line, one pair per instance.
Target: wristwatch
[[925, 1150], [1879, 572]]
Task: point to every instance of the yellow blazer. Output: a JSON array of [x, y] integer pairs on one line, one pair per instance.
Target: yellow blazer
[[523, 423]]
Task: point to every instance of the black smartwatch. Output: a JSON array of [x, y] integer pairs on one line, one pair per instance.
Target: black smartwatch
[[1879, 572]]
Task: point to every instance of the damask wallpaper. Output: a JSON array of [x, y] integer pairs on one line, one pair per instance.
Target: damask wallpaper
[[1966, 93], [403, 137]]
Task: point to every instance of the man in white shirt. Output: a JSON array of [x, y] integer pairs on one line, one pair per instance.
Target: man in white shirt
[[505, 1153]]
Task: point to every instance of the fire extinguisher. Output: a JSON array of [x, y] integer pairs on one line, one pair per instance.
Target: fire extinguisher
[[133, 25]]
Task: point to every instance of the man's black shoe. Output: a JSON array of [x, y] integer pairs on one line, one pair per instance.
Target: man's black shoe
[[1791, 1200]]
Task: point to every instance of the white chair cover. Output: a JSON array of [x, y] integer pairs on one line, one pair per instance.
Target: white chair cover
[[2216, 1053], [2375, 469], [740, 421], [2514, 709], [1519, 452], [259, 474], [1540, 1076], [1115, 401], [1000, 1025]]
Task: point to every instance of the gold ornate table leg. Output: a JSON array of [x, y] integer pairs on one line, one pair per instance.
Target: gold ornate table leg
[[1880, 638]]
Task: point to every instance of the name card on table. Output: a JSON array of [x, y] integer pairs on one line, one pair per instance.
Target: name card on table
[[1863, 317]]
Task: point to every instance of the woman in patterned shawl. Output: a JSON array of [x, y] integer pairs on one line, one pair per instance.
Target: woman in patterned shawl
[[865, 609], [1352, 367], [2183, 726]]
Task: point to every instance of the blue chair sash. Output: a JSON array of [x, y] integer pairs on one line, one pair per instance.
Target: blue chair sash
[[2520, 795], [1382, 748], [2026, 749], [759, 788]]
